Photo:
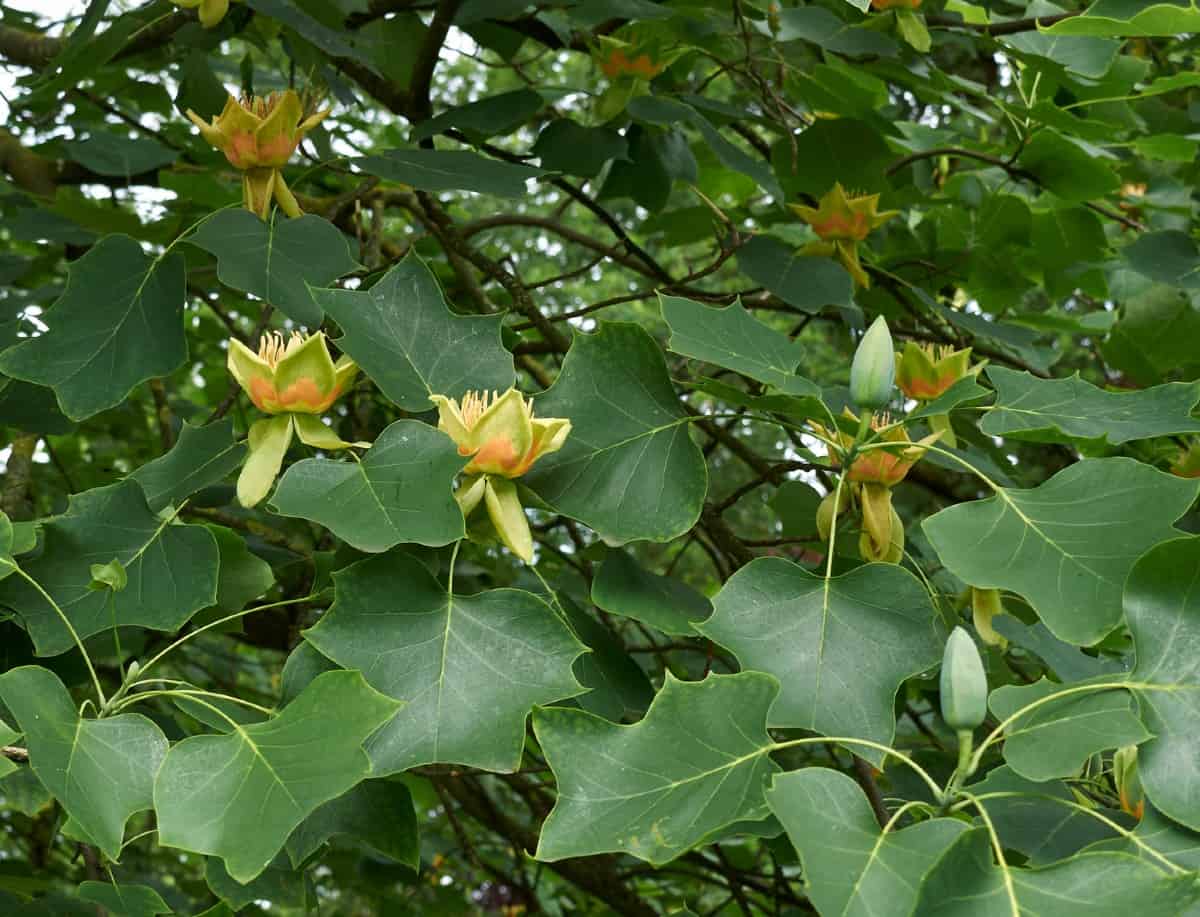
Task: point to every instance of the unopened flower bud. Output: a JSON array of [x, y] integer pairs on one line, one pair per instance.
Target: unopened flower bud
[[1128, 783], [963, 683], [873, 372]]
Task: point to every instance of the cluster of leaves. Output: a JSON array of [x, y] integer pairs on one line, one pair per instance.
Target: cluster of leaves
[[701, 695]]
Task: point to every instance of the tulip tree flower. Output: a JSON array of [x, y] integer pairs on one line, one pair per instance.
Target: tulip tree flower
[[873, 474], [294, 380], [841, 222], [258, 135], [925, 373], [504, 439], [211, 11]]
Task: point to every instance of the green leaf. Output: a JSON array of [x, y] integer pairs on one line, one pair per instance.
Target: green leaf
[[566, 146], [839, 649], [1162, 835], [1122, 18], [202, 456], [844, 150], [239, 796], [1168, 256], [821, 27], [1066, 545], [124, 900], [451, 658], [796, 503], [118, 323], [8, 735], [966, 883], [696, 763], [1167, 147], [805, 282], [400, 491], [278, 883], [276, 261], [1086, 56], [619, 687], [851, 868], [379, 813], [243, 575], [1067, 170], [1057, 738], [733, 339], [405, 338], [1042, 820], [629, 469], [501, 113], [1061, 410], [171, 569], [1068, 663], [447, 170], [623, 587], [107, 153], [1162, 608], [1153, 337], [78, 760]]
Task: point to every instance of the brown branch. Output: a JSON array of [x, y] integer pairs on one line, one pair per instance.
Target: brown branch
[[1011, 27], [596, 875], [865, 775], [13, 753], [18, 473], [264, 532]]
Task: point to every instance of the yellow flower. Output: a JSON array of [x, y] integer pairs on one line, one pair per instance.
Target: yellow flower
[[504, 439], [500, 431], [296, 375], [294, 380], [886, 466], [842, 222], [211, 11], [259, 135], [839, 218], [925, 373]]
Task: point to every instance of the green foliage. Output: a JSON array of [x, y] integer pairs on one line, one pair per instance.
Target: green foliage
[[701, 692]]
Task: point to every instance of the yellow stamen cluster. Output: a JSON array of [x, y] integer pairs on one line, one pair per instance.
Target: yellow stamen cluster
[[273, 346], [474, 404]]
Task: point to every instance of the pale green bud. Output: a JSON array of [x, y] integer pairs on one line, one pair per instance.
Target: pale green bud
[[873, 372], [963, 684]]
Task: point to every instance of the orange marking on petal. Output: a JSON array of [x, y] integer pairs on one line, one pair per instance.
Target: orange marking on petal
[[306, 394], [496, 456], [263, 394]]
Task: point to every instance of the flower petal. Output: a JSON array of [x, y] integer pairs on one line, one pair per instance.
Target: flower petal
[[450, 422], [276, 136], [470, 493], [246, 366], [305, 378], [502, 436], [313, 432], [508, 516], [269, 441]]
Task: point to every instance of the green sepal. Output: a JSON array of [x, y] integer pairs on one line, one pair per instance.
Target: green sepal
[[508, 516], [269, 440], [313, 432]]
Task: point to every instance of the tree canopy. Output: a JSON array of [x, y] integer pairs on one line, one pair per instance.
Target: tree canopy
[[713, 457]]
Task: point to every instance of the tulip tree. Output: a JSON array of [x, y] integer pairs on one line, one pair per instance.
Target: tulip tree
[[717, 457]]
